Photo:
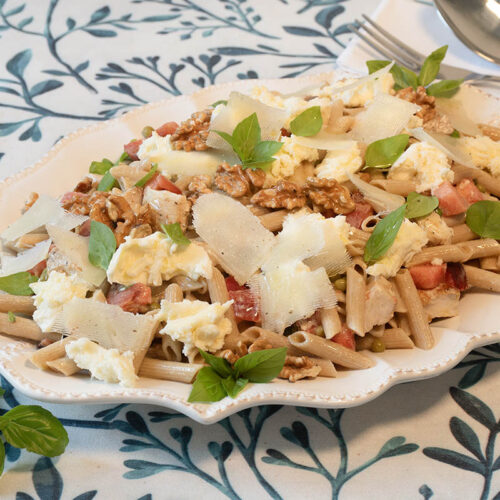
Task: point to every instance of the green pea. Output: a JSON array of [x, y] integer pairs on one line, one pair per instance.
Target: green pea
[[377, 346], [147, 131], [319, 331], [340, 284]]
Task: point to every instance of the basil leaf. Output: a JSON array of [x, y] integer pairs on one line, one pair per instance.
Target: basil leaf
[[265, 150], [375, 65], [385, 152], [102, 244], [220, 365], [174, 232], [308, 123], [431, 65], [455, 134], [403, 77], [418, 205], [18, 283], [108, 182], [444, 88], [234, 387], [124, 157], [11, 317], [2, 457], [483, 217], [261, 366], [100, 167], [384, 234], [246, 135], [142, 182], [216, 103], [207, 387], [35, 429]]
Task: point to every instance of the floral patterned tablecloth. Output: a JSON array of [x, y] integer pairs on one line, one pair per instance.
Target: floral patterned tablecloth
[[65, 64]]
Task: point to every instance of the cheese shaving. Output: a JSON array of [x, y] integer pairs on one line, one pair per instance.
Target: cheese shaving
[[26, 260], [380, 200]]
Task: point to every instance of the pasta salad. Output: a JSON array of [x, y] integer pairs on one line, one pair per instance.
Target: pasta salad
[[269, 235]]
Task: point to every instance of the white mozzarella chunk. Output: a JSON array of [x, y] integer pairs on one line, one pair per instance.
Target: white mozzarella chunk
[[290, 156], [51, 296], [108, 365], [196, 324], [411, 238], [484, 153], [338, 163], [423, 164], [154, 259]]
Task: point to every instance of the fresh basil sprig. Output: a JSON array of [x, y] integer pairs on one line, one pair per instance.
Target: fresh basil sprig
[[220, 101], [220, 379], [384, 234], [18, 283], [100, 167], [403, 77], [174, 232], [108, 182], [483, 217], [246, 143], [144, 180], [102, 244], [308, 123], [385, 152], [418, 205]]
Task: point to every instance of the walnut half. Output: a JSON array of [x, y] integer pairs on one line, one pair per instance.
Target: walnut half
[[328, 194], [284, 194]]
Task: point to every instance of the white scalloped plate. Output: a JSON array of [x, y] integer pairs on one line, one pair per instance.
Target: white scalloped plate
[[63, 166]]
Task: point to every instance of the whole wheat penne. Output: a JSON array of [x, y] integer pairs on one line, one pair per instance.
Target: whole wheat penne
[[421, 332], [392, 338], [489, 263], [173, 293], [194, 356], [482, 279], [217, 290], [16, 304], [63, 365], [169, 370], [395, 186], [30, 240], [267, 337], [172, 349], [403, 323], [322, 348], [454, 220], [486, 247], [327, 367], [22, 327], [462, 232], [447, 253], [273, 220], [490, 183], [330, 322], [355, 304], [50, 353]]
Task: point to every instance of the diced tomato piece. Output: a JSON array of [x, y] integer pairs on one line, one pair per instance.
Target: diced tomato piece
[[246, 306], [345, 338], [167, 129], [362, 210], [134, 299], [469, 191], [85, 228], [451, 202], [132, 148], [427, 276], [456, 276], [232, 285], [161, 183], [38, 269]]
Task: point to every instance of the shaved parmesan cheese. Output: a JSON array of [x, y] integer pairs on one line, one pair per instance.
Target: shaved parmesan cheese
[[76, 249], [239, 107], [362, 81], [326, 141], [108, 325], [458, 115], [171, 207], [448, 145], [380, 200], [236, 236], [290, 292], [103, 364], [384, 117], [45, 210], [25, 260]]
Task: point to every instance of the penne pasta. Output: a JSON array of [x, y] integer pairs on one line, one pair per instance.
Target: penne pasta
[[327, 367], [355, 305], [63, 365], [273, 220], [23, 328], [481, 248], [482, 279], [489, 263], [487, 181], [463, 233], [392, 338], [16, 304], [272, 339], [417, 317], [30, 240], [446, 253], [330, 322], [52, 352], [403, 188], [169, 370]]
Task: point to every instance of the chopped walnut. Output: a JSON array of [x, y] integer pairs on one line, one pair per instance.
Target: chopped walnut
[[193, 132], [257, 177], [141, 231], [232, 180], [284, 194], [30, 201], [199, 184], [440, 124], [86, 185], [489, 130], [420, 97], [299, 367], [76, 203], [328, 194]]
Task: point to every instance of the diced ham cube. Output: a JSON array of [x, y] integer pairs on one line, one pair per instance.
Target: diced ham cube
[[469, 191], [451, 202], [132, 148], [456, 276], [38, 269], [345, 338], [134, 299], [85, 228], [167, 129], [427, 276], [246, 305], [232, 285], [161, 183], [362, 210]]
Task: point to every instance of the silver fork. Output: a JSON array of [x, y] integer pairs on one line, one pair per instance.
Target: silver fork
[[394, 49]]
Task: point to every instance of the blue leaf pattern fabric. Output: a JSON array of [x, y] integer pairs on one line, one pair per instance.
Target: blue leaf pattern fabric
[[64, 65]]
